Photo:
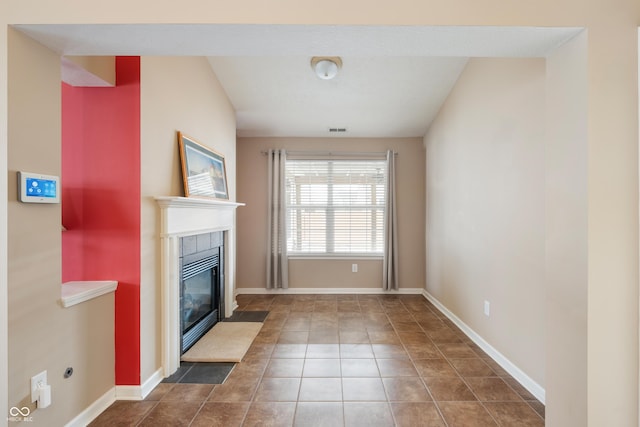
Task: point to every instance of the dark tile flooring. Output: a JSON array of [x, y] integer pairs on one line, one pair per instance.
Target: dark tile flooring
[[345, 360], [200, 373], [247, 316]]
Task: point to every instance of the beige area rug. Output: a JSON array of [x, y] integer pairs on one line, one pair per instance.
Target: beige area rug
[[225, 342]]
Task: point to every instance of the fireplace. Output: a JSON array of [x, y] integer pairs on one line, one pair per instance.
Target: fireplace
[[181, 218], [201, 285]]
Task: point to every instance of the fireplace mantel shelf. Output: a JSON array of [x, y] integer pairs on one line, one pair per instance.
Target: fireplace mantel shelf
[[190, 202]]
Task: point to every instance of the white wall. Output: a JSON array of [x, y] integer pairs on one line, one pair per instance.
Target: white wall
[[485, 206], [177, 94]]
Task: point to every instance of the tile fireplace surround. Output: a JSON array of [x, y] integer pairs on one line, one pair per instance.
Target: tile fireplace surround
[[180, 217]]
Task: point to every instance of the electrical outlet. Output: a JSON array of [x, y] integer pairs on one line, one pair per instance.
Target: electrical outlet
[[487, 308], [37, 382], [354, 268]]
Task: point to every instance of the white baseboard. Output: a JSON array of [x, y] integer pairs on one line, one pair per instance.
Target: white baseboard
[[95, 409], [121, 392], [139, 392], [377, 291], [151, 382], [533, 387], [128, 392]]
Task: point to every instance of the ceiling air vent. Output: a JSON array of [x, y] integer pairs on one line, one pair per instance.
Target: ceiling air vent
[[337, 130]]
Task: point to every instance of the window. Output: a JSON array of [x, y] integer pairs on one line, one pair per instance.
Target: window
[[335, 207]]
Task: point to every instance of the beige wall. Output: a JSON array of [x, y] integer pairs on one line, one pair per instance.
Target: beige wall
[[177, 94], [611, 133], [612, 222], [486, 206], [43, 335], [252, 223], [397, 12], [4, 308], [566, 234], [89, 71]]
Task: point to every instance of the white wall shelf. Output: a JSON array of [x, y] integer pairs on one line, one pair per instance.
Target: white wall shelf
[[73, 293]]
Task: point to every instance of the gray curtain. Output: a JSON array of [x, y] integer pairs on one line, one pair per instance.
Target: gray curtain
[[277, 262], [390, 264]]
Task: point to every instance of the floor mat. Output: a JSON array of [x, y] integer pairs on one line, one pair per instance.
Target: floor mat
[[225, 342]]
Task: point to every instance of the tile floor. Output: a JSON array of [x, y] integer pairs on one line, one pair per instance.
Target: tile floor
[[345, 360]]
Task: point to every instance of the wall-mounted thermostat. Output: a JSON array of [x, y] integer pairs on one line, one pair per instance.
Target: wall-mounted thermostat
[[38, 188]]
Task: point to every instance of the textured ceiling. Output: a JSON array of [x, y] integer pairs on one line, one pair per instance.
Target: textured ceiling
[[392, 83]]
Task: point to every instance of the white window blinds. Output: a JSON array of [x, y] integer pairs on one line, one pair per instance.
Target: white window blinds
[[335, 207]]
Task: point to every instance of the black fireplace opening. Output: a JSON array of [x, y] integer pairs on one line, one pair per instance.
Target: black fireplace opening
[[201, 285]]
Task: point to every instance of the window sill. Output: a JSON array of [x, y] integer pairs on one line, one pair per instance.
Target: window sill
[[337, 257], [73, 293]]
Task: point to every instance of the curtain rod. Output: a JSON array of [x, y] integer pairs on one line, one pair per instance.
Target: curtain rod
[[334, 153]]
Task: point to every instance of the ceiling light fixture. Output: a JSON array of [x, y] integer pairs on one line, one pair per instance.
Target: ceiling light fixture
[[326, 67]]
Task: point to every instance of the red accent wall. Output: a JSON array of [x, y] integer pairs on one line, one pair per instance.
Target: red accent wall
[[101, 199]]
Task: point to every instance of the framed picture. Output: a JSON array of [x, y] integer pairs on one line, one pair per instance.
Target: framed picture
[[203, 170]]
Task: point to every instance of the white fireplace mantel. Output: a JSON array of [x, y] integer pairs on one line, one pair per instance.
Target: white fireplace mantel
[[185, 216]]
